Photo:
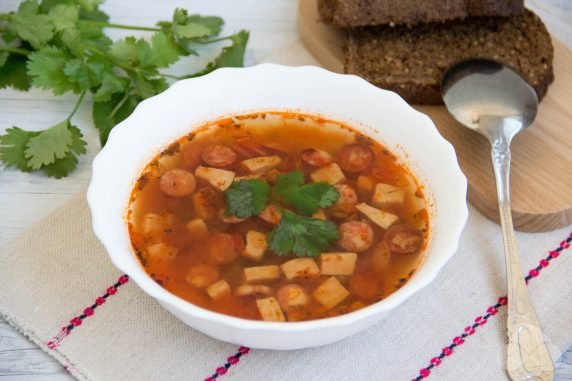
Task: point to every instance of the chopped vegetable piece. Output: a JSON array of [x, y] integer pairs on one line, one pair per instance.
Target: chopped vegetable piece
[[365, 186], [270, 309], [330, 293], [320, 214], [198, 229], [206, 203], [202, 275], [292, 295], [218, 178], [331, 174], [152, 224], [387, 196], [316, 157], [337, 263], [271, 214], [162, 251], [306, 198], [219, 290], [255, 245], [379, 217], [261, 273], [300, 268], [303, 236], [261, 164], [252, 289]]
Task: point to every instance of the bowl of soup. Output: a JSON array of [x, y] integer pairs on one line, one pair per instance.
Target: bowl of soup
[[278, 207]]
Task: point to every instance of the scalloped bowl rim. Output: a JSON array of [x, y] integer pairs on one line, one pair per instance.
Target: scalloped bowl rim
[[124, 259]]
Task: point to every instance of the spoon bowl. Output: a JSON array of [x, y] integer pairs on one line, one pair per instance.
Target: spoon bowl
[[497, 102], [480, 89]]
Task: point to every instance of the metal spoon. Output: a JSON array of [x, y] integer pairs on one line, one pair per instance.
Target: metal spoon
[[495, 101]]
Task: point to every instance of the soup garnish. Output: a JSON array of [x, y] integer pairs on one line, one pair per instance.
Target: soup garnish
[[278, 217]]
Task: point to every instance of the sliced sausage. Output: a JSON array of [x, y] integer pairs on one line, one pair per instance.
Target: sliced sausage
[[202, 275], [347, 200], [177, 183], [217, 155], [316, 157], [292, 295], [403, 239], [355, 158], [271, 214], [222, 248], [355, 236]]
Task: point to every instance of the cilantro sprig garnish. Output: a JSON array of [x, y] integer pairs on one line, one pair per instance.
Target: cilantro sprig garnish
[[301, 235], [307, 198], [61, 46], [246, 198]]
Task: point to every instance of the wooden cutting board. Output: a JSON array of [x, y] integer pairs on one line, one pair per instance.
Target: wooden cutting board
[[541, 173]]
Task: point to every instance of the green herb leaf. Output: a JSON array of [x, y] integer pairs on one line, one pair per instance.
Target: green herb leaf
[[303, 236], [111, 84], [162, 52], [3, 58], [37, 29], [246, 198], [12, 147], [61, 167], [46, 67], [63, 16], [307, 198], [230, 56], [13, 73], [107, 114], [49, 145]]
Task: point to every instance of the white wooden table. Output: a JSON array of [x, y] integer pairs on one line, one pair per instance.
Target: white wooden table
[[26, 198]]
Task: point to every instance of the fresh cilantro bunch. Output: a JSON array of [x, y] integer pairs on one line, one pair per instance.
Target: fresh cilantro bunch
[[60, 45], [303, 236]]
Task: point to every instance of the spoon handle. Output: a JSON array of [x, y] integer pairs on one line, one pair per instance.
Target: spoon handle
[[527, 355]]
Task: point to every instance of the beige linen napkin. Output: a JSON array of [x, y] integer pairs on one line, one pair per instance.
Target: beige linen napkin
[[57, 269]]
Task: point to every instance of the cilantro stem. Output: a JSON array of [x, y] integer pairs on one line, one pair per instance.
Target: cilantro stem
[[77, 104], [204, 42], [121, 26], [23, 52], [118, 106]]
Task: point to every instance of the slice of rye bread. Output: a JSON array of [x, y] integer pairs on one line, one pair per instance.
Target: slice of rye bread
[[354, 13], [412, 60]]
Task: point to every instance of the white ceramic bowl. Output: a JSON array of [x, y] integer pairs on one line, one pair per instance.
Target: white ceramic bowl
[[383, 115]]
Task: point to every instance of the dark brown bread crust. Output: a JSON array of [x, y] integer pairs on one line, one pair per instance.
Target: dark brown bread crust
[[354, 13], [412, 60]]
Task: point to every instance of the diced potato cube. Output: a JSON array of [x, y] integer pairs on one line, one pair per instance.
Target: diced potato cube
[[261, 164], [338, 263], [320, 214], [330, 293], [386, 195], [202, 275], [365, 185], [261, 273], [206, 203], [218, 178], [162, 251], [300, 268], [198, 229], [270, 309], [331, 174], [256, 245], [379, 217], [246, 177], [152, 223], [219, 290], [272, 176]]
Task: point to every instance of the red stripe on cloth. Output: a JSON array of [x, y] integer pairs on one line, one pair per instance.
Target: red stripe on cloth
[[87, 312], [491, 311], [230, 361]]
